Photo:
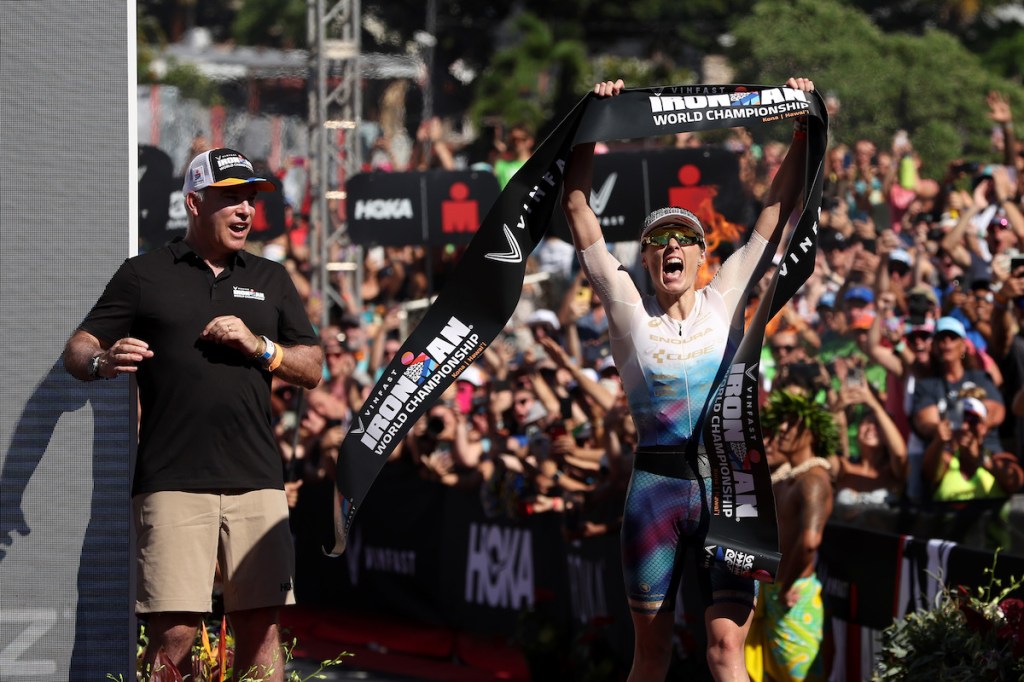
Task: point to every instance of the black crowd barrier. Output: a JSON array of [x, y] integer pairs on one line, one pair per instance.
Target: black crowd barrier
[[428, 553]]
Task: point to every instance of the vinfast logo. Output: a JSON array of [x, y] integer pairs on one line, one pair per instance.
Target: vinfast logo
[[599, 202], [378, 559], [700, 105], [548, 186], [514, 253], [727, 427], [806, 247], [599, 199], [499, 567], [399, 398], [383, 209]]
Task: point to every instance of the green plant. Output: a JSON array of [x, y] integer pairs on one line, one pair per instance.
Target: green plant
[[969, 635], [213, 661]]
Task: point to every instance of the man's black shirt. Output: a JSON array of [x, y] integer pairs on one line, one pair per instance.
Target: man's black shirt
[[205, 407]]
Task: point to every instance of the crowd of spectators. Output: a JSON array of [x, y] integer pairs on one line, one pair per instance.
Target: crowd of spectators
[[909, 332]]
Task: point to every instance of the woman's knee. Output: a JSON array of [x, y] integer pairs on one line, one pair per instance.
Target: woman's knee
[[652, 643], [727, 627], [726, 647]]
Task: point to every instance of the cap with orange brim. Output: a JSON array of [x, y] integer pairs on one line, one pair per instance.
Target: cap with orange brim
[[223, 167]]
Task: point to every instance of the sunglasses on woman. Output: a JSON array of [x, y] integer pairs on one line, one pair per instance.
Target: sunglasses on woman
[[663, 236]]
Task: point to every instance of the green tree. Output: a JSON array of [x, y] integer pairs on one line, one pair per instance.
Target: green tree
[[1004, 54], [271, 23], [666, 30], [150, 37], [148, 34], [954, 16], [525, 80], [193, 84], [929, 85]]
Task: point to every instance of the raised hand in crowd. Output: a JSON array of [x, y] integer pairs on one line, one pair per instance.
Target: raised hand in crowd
[[864, 268], [431, 149], [795, 321], [1004, 191], [592, 389], [887, 439], [1000, 113], [387, 330]]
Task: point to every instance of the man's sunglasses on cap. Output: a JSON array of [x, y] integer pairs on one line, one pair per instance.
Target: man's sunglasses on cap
[[662, 236]]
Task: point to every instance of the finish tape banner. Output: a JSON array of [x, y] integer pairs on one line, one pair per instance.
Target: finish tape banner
[[743, 533], [482, 293]]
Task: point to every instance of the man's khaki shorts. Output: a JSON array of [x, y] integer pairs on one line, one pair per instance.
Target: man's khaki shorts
[[182, 536]]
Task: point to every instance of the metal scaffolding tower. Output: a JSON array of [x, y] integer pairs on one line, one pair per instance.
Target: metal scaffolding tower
[[335, 106]]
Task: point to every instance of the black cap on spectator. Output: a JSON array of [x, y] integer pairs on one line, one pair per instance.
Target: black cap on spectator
[[348, 321], [830, 240]]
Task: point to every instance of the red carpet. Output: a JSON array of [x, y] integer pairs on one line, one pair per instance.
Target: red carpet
[[396, 647]]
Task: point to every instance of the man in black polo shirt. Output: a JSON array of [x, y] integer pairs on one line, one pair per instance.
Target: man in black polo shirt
[[204, 325]]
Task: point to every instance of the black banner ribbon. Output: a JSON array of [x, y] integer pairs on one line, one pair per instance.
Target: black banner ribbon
[[482, 293]]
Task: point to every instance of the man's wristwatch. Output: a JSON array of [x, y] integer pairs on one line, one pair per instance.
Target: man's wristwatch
[[94, 366]]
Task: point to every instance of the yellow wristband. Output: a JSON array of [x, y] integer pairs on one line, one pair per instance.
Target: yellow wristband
[[275, 361]]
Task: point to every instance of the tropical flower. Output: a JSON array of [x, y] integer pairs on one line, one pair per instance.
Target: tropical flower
[[969, 635]]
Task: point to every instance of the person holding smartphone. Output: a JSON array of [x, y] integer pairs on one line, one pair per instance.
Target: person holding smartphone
[[960, 462], [954, 367]]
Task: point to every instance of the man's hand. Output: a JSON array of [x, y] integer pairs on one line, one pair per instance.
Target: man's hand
[[291, 492], [230, 331], [123, 357]]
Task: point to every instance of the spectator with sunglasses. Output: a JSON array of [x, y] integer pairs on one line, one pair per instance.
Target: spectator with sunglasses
[[954, 367], [786, 349], [667, 347]]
